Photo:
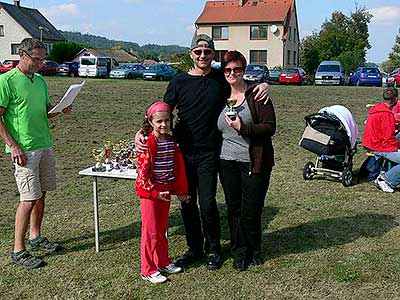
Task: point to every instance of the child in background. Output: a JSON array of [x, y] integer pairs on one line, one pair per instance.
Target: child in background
[[161, 173]]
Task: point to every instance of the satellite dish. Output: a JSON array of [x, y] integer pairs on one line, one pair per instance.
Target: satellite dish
[[274, 28]]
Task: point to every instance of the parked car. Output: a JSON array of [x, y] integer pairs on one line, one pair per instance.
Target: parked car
[[294, 75], [8, 65], [329, 72], [159, 72], [274, 75], [394, 78], [127, 71], [256, 73], [384, 79], [366, 76], [100, 66], [49, 68], [68, 68]]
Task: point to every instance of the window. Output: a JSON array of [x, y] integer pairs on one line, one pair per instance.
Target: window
[[294, 34], [288, 57], [220, 32], [14, 48], [1, 30], [294, 58], [258, 56], [290, 33], [258, 32], [219, 55]]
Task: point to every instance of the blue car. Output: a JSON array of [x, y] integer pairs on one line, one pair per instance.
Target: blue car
[[366, 76], [159, 72], [68, 68]]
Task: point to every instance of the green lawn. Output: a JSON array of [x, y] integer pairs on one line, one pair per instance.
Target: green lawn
[[321, 240]]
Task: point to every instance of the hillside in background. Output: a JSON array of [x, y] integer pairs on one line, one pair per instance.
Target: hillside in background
[[146, 51]]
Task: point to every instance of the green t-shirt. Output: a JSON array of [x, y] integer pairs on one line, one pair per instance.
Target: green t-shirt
[[25, 115]]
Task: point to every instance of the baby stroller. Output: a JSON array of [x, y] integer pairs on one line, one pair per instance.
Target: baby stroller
[[332, 135]]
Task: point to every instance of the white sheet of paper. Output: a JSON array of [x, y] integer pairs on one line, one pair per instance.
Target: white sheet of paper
[[68, 98]]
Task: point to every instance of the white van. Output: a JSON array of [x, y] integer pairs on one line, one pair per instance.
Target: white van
[[329, 72], [90, 66]]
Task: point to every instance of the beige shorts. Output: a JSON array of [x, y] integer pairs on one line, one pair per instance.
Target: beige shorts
[[38, 175]]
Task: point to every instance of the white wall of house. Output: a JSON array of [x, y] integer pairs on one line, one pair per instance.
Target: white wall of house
[[291, 49], [239, 39], [13, 34]]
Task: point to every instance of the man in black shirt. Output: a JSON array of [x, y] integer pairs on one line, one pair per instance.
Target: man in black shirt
[[199, 96]]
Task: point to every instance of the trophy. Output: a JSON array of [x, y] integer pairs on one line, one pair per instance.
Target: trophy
[[107, 162], [231, 114], [116, 149], [98, 155]]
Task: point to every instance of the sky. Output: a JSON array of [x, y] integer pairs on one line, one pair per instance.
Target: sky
[[170, 22]]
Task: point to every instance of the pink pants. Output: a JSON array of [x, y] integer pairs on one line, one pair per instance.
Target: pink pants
[[154, 245]]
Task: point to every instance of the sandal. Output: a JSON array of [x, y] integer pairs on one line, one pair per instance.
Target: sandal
[[26, 260], [43, 244]]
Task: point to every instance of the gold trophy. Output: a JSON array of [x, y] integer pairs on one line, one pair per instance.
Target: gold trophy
[[98, 155], [231, 114]]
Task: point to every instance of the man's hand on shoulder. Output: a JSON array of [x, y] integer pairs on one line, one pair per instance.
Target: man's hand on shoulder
[[140, 142], [262, 92]]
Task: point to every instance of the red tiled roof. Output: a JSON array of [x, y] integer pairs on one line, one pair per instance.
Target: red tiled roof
[[231, 12]]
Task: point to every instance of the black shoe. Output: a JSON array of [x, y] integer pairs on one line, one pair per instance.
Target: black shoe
[[188, 258], [257, 261], [239, 265], [213, 261]]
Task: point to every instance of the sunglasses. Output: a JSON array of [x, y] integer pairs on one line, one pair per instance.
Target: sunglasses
[[205, 51], [36, 59], [236, 70]]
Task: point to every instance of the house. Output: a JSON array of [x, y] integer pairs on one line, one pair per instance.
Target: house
[[18, 23], [265, 31], [120, 55]]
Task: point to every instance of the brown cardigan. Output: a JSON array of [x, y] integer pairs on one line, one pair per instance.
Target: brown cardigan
[[260, 132]]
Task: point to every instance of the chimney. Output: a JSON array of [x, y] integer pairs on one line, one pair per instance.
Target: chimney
[[17, 3], [242, 2]]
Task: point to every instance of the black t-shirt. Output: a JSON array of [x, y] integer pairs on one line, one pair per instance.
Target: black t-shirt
[[198, 101]]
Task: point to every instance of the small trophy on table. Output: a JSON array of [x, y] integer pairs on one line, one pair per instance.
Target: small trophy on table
[[98, 155], [107, 162], [231, 114]]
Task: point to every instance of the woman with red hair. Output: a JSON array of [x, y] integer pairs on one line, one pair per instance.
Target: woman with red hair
[[246, 161]]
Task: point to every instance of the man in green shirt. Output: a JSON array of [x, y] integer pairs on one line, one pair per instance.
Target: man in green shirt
[[24, 127]]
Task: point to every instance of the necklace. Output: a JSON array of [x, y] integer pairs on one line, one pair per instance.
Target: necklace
[[30, 77]]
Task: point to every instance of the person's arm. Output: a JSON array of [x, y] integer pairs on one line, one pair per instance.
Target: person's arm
[[17, 155], [267, 122]]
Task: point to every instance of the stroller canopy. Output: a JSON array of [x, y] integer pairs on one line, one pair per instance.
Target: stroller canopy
[[345, 116]]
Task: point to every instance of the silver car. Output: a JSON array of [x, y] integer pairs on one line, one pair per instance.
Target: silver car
[[128, 71]]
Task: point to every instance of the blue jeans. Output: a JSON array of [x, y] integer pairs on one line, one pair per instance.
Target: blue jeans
[[392, 177]]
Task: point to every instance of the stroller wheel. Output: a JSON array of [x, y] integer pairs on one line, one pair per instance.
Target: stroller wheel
[[347, 177], [308, 172]]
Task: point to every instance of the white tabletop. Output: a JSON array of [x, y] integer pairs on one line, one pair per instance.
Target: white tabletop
[[122, 174]]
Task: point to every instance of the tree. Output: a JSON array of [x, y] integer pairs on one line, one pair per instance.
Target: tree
[[341, 38], [394, 56], [65, 51]]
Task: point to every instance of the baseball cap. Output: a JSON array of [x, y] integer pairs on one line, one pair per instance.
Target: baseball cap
[[202, 40]]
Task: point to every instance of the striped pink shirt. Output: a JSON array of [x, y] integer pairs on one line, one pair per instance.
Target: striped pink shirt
[[164, 161]]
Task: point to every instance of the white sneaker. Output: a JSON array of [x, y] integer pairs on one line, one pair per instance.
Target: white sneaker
[[155, 278], [171, 269], [382, 185]]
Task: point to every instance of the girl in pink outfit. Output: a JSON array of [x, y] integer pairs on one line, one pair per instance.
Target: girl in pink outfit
[[161, 173]]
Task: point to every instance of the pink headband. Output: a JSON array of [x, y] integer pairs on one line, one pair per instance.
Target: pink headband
[[157, 107]]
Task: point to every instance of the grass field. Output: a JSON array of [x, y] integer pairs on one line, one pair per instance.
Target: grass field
[[320, 239]]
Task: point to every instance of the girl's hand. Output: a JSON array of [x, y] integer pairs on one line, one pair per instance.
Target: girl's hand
[[237, 123], [164, 196], [184, 198]]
